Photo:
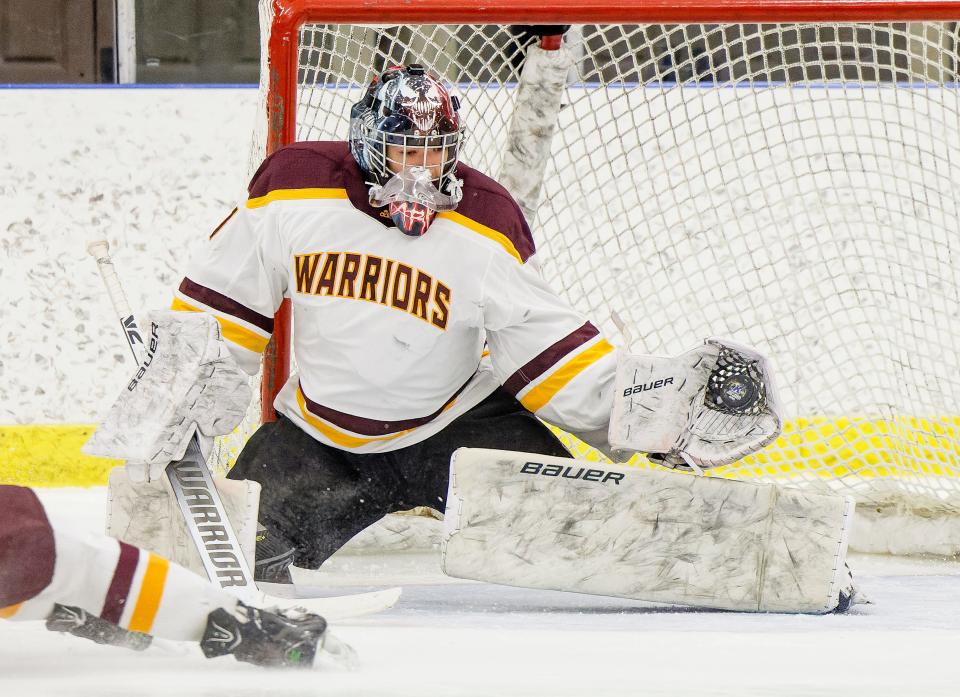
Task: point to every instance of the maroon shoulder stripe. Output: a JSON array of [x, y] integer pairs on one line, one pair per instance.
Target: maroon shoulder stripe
[[221, 302], [548, 358], [303, 165], [488, 203], [120, 584], [373, 427]]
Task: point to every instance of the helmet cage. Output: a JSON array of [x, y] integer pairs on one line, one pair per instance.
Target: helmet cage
[[412, 110], [389, 153]]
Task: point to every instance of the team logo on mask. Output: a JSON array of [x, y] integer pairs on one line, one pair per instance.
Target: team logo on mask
[[411, 218], [419, 99]]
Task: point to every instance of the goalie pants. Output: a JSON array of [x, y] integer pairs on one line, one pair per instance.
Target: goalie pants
[[316, 497]]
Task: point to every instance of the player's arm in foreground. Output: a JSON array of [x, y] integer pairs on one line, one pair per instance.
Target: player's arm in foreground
[[111, 592]]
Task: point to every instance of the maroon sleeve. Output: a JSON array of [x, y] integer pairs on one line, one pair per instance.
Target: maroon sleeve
[[27, 549]]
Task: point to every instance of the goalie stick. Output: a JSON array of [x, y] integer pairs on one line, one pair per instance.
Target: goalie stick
[[219, 549]]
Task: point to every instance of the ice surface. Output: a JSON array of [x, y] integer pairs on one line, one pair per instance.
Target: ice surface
[[451, 638]]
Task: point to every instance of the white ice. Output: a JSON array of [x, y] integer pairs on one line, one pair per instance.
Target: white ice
[[453, 638]]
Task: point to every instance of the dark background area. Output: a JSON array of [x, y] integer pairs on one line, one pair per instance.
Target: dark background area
[[74, 41]]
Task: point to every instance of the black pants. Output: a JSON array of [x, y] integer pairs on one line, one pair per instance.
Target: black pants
[[314, 497]]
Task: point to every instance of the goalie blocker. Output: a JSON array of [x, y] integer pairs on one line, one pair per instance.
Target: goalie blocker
[[656, 535]]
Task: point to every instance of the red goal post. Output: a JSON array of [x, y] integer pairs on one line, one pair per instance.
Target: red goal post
[[786, 219]]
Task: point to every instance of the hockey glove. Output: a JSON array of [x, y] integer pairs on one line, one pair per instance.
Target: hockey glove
[[704, 408], [187, 382]]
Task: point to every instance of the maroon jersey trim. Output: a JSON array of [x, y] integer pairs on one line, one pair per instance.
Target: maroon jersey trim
[[490, 204], [374, 427], [120, 584], [316, 165], [222, 303], [329, 164], [548, 358], [220, 226]]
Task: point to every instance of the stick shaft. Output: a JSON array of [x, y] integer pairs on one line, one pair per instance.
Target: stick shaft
[[217, 544], [111, 281]]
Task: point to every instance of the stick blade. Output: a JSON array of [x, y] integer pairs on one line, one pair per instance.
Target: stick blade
[[339, 607]]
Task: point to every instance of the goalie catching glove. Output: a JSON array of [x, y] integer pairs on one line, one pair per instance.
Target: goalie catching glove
[[186, 382], [707, 407]]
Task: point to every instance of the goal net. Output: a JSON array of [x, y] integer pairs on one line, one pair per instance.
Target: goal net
[[789, 185]]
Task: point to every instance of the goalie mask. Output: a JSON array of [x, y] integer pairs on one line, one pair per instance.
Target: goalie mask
[[405, 135]]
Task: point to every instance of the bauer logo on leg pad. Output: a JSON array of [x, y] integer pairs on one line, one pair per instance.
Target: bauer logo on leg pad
[[573, 472]]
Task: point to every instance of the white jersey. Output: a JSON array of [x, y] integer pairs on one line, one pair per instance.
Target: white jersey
[[394, 336]]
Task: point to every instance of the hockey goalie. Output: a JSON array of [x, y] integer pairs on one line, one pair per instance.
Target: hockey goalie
[[430, 353]]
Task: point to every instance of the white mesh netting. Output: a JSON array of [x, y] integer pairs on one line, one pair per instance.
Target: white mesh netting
[[789, 186]]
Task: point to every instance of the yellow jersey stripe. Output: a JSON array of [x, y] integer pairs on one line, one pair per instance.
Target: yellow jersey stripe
[[336, 435], [482, 229], [151, 592], [231, 331], [9, 611], [537, 397], [295, 195]]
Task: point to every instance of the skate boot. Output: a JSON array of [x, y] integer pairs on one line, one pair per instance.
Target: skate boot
[[850, 593], [274, 557], [288, 638], [79, 622]]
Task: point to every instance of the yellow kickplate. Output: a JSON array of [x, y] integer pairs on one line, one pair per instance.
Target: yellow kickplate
[[49, 455], [830, 448]]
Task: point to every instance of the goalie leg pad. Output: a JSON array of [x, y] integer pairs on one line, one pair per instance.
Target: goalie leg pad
[[656, 535]]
